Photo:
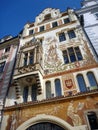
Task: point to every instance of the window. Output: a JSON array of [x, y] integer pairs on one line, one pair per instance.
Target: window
[[41, 28], [62, 37], [81, 83], [72, 54], [25, 94], [25, 59], [7, 49], [48, 89], [78, 53], [47, 17], [31, 58], [31, 32], [93, 120], [92, 80], [58, 87], [71, 34], [66, 20], [44, 126], [2, 66], [54, 24], [34, 92], [65, 57]]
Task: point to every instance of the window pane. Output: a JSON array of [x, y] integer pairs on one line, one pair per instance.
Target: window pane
[[71, 34], [34, 92], [62, 37], [71, 54], [66, 20], [81, 83], [25, 94], [41, 28], [25, 59], [31, 58], [91, 79], [48, 89], [31, 31], [78, 53], [58, 87], [65, 56], [54, 24]]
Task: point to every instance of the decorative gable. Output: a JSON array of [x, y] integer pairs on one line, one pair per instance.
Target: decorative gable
[[47, 14]]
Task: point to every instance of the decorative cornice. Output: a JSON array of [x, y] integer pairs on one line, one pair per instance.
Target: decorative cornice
[[51, 100]]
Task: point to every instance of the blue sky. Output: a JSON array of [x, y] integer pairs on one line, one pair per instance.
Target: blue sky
[[14, 14]]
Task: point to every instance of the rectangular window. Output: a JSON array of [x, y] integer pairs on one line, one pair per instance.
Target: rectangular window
[[71, 54], [31, 32], [71, 34], [25, 59], [66, 20], [62, 37], [54, 24], [78, 53], [2, 66], [41, 28], [7, 49], [31, 58], [65, 57]]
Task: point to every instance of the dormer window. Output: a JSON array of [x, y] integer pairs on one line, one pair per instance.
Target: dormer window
[[66, 20], [47, 17]]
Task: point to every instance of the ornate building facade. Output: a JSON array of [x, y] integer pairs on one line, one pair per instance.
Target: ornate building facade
[[55, 81], [8, 49], [89, 17]]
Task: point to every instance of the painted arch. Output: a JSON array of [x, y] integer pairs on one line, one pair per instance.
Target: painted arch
[[45, 118]]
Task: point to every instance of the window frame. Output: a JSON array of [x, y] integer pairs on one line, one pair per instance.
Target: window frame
[[41, 28], [71, 34], [31, 31], [62, 37], [54, 24], [66, 20], [48, 91]]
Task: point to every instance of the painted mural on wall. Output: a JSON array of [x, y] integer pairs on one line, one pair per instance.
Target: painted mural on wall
[[71, 111], [75, 111], [52, 55]]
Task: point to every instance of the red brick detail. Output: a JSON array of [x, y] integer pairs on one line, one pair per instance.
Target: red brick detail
[[36, 30], [48, 26], [60, 22]]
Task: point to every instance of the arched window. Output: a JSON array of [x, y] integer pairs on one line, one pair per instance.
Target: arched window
[[58, 87], [25, 94], [92, 79], [45, 126], [34, 92], [48, 89], [81, 83]]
